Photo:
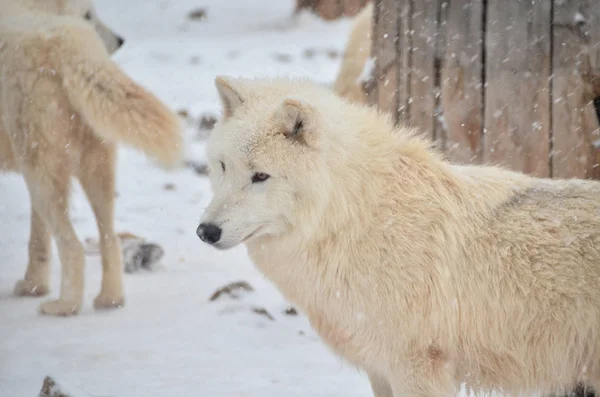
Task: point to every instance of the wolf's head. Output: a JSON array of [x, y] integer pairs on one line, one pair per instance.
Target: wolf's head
[[271, 161], [83, 9]]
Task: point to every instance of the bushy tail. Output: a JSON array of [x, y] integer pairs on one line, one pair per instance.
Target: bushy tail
[[118, 109]]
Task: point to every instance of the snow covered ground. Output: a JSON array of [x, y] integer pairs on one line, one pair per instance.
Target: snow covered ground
[[169, 340]]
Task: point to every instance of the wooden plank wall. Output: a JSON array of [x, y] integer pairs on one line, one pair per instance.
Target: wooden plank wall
[[462, 80], [575, 57], [508, 82], [421, 102], [517, 95], [386, 35]]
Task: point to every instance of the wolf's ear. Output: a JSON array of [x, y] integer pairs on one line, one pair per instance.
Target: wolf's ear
[[231, 99], [297, 120]]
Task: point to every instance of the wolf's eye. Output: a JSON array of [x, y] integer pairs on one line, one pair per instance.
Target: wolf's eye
[[222, 165], [260, 177], [88, 16]]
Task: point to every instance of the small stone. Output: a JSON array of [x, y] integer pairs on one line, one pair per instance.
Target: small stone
[[309, 53], [140, 255], [232, 290], [284, 58], [52, 389], [263, 312], [199, 168], [207, 122], [333, 54], [197, 14], [291, 311]]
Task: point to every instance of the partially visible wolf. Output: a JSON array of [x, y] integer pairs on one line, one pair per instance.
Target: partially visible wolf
[[350, 82], [423, 273], [64, 104]]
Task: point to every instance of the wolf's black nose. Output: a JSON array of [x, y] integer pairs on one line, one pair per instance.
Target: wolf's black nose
[[209, 233], [120, 41]]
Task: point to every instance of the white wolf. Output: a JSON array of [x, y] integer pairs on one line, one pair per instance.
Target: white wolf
[[63, 105], [425, 274], [351, 80]]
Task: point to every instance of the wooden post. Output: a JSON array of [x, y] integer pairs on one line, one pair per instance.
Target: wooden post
[[385, 35], [576, 61], [422, 96], [461, 84], [517, 95]]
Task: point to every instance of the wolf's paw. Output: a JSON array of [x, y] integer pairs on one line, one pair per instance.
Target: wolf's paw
[[60, 307], [30, 288], [109, 301]]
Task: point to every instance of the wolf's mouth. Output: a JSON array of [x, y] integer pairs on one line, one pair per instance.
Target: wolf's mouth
[[253, 233]]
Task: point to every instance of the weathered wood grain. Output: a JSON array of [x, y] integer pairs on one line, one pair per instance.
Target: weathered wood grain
[[462, 81], [422, 100], [386, 34], [576, 56], [517, 93], [506, 82]]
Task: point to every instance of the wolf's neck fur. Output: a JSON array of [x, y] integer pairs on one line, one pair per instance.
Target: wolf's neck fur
[[366, 175], [391, 172]]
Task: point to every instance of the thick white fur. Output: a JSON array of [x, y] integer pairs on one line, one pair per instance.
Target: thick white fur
[[422, 273], [64, 104]]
